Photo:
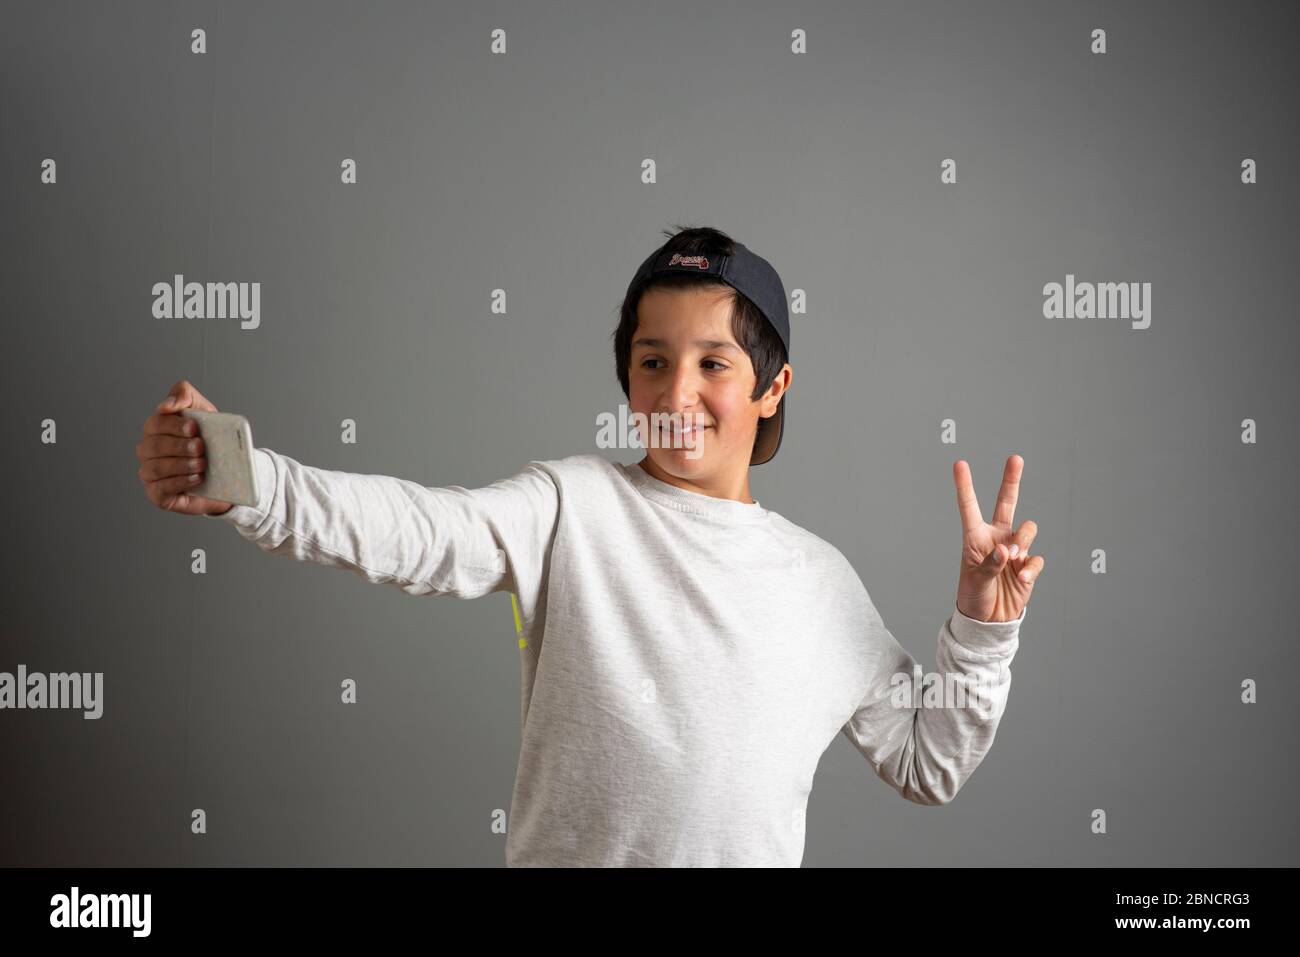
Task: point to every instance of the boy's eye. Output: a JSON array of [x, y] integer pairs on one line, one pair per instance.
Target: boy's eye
[[713, 362]]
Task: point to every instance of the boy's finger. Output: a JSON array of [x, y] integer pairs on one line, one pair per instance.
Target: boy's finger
[[968, 506], [1025, 534], [164, 446], [154, 470], [162, 423], [180, 483], [180, 396]]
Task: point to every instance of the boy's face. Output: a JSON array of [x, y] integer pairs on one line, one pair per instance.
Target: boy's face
[[694, 368]]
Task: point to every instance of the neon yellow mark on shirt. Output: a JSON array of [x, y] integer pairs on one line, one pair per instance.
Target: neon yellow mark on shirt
[[519, 625]]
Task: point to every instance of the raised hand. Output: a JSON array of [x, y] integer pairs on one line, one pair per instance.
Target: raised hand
[[171, 454], [997, 573]]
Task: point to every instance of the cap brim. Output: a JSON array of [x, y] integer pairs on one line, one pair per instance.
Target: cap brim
[[770, 438]]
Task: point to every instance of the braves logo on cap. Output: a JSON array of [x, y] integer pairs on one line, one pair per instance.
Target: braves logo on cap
[[679, 260]]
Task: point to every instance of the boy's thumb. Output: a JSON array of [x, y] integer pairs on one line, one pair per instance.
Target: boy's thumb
[[992, 563]]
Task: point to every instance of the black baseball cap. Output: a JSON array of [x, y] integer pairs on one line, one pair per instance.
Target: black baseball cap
[[752, 276]]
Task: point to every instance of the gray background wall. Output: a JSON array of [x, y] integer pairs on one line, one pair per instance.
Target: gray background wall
[[522, 171]]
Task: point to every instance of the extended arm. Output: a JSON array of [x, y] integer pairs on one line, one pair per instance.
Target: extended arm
[[425, 541]]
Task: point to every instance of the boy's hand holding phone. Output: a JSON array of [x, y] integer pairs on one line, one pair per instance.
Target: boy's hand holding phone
[[172, 454]]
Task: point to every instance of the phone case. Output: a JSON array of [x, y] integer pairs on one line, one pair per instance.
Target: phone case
[[231, 474]]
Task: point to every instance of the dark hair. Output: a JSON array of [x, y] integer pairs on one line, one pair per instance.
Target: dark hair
[[749, 327]]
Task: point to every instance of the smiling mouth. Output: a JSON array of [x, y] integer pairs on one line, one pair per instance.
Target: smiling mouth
[[682, 433]]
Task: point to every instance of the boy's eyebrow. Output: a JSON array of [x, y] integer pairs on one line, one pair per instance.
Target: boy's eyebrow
[[702, 343]]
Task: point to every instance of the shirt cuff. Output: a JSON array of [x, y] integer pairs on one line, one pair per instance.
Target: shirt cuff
[[250, 516], [985, 635]]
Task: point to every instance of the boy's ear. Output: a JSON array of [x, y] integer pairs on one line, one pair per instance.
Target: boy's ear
[[770, 401]]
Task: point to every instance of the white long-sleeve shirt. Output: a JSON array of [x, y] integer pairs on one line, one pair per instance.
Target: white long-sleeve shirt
[[686, 660]]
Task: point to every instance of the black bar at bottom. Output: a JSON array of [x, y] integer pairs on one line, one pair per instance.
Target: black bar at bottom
[[333, 905]]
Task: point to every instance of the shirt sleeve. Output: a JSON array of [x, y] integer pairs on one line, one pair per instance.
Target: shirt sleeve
[[925, 735], [425, 541]]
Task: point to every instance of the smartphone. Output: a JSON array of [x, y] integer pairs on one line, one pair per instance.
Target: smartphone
[[231, 475]]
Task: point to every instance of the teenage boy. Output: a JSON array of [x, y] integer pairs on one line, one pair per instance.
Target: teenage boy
[[688, 653]]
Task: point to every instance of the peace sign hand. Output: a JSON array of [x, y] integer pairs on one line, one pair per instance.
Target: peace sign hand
[[997, 575]]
